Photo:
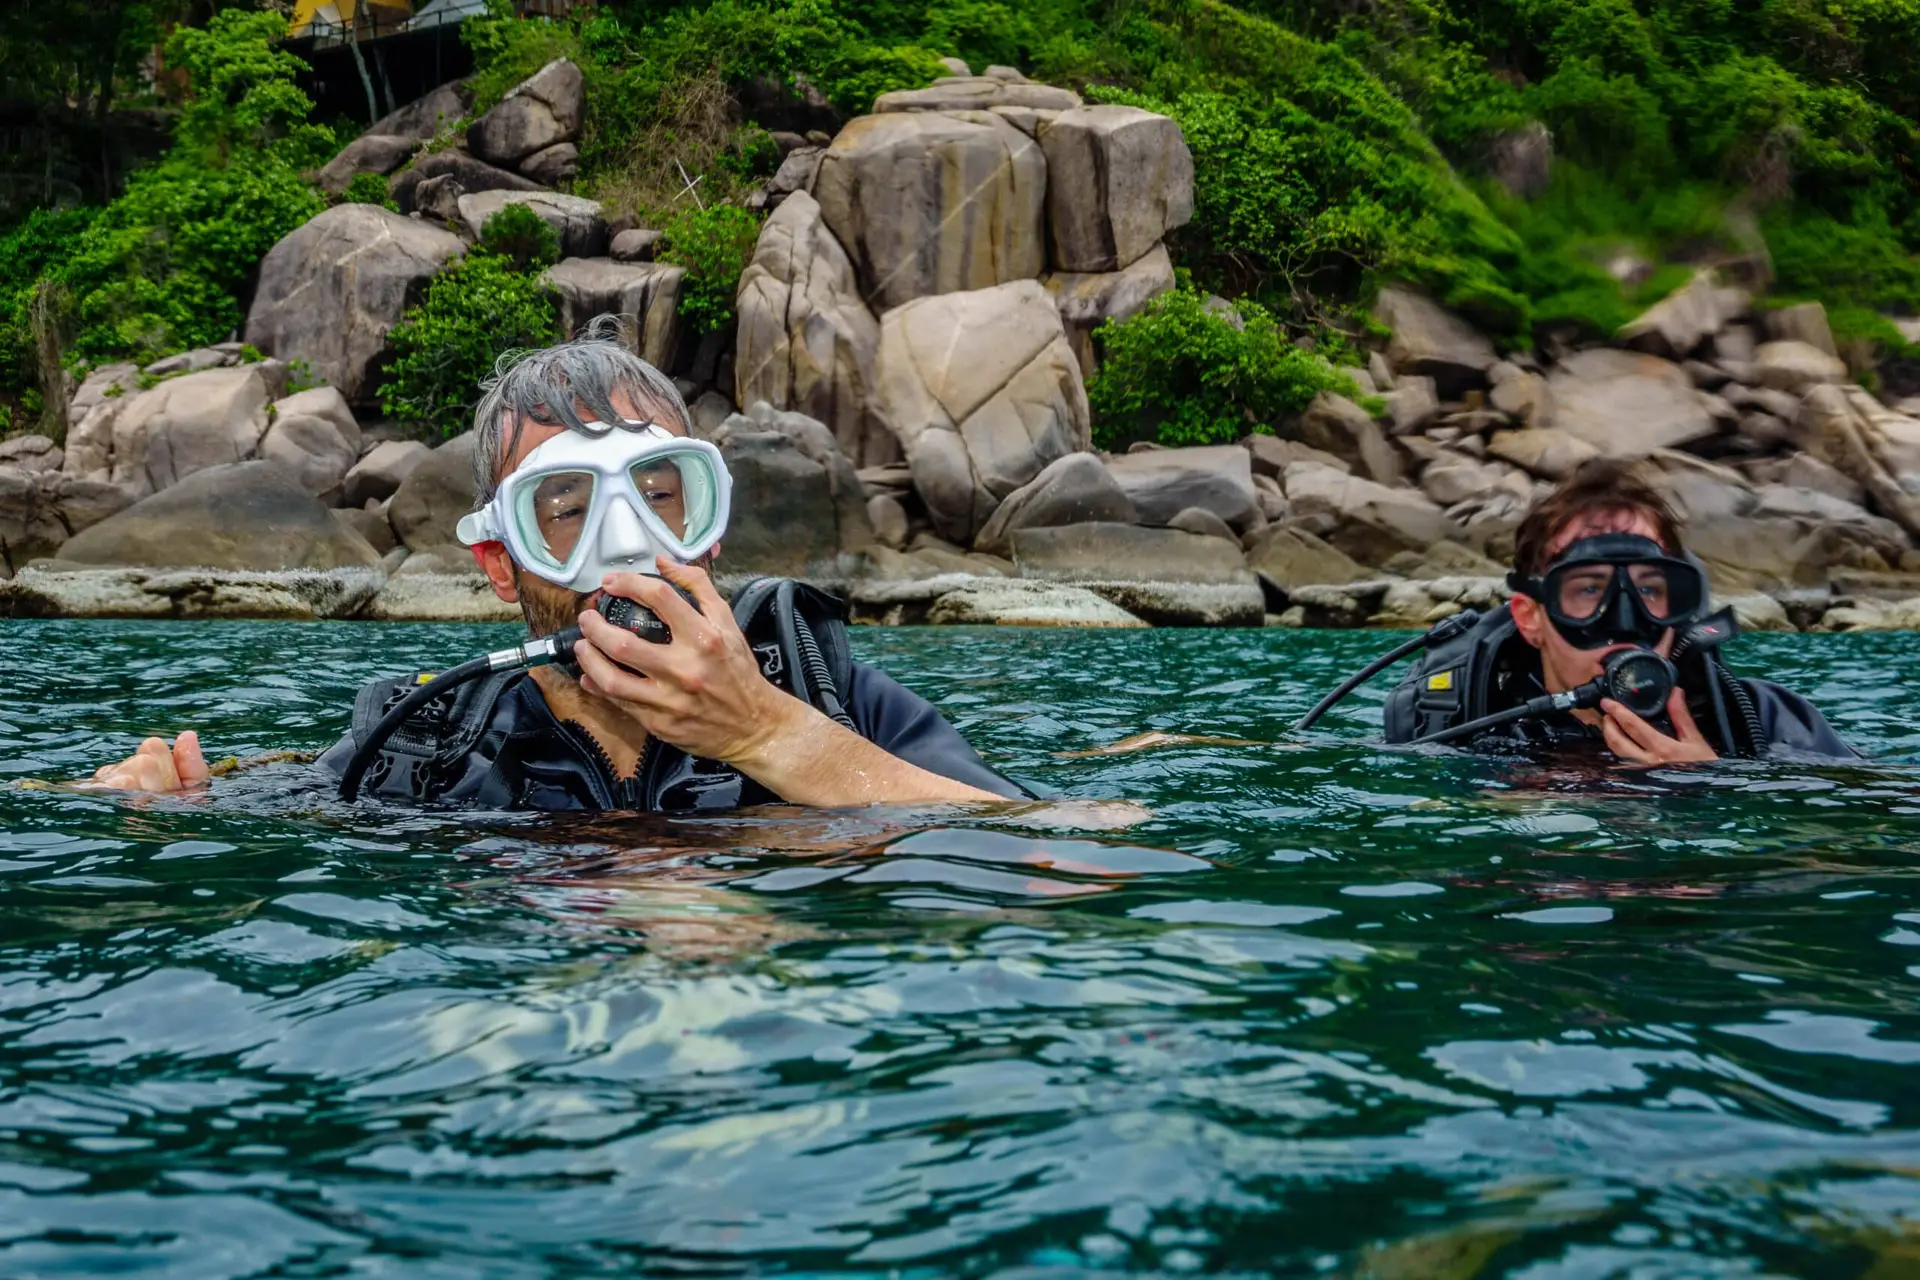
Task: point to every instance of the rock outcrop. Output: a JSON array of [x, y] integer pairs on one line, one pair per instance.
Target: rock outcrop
[[1627, 404], [936, 202], [1432, 342], [579, 222], [1089, 299], [983, 391], [1076, 489], [330, 291], [806, 340], [247, 515], [541, 111], [646, 295], [1118, 180], [147, 442]]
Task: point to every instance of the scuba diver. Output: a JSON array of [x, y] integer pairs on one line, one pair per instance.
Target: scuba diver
[[640, 689], [1608, 640]]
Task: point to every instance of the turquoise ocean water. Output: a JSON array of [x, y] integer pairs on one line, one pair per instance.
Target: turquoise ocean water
[[1332, 1010]]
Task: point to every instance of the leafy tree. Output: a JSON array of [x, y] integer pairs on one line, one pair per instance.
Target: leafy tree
[[368, 188], [474, 312], [1191, 372], [714, 245], [522, 236]]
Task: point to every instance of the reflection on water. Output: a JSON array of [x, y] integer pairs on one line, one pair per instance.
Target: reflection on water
[[1333, 1009]]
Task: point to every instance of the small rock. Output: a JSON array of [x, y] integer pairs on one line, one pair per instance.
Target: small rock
[[1806, 323], [889, 519], [1164, 482], [552, 166], [1432, 341], [1294, 557], [375, 477], [1334, 424], [1203, 522], [1412, 404], [1013, 603], [1272, 455], [371, 525], [1796, 366]]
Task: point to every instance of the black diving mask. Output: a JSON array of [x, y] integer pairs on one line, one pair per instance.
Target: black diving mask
[[1617, 588]]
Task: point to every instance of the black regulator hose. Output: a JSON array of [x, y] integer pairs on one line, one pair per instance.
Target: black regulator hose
[[548, 650], [1445, 629], [1638, 679]]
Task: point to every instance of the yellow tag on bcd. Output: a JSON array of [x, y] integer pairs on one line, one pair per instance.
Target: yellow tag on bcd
[[1442, 681]]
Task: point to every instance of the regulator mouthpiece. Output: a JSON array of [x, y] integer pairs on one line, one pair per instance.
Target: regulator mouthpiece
[[1638, 679]]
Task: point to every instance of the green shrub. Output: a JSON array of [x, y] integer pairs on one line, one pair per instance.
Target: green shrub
[[1192, 375], [369, 188], [714, 245], [522, 236], [474, 312]]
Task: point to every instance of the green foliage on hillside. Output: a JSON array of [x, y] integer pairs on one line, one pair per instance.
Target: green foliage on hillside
[[1183, 372], [369, 188], [162, 268], [521, 236], [714, 245], [474, 312]]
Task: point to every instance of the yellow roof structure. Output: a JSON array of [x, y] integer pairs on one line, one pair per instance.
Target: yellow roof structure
[[337, 13]]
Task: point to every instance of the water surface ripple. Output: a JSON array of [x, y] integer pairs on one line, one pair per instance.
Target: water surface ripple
[[1333, 1010]]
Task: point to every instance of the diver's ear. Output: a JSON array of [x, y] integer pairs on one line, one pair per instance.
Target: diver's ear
[[494, 561], [1529, 619]]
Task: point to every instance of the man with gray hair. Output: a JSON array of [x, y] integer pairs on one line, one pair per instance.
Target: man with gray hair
[[589, 487]]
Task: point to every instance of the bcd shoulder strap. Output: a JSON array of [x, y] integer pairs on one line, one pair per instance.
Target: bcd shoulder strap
[[1449, 683], [799, 634]]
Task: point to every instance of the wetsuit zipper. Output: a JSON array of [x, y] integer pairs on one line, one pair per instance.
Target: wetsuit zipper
[[615, 792]]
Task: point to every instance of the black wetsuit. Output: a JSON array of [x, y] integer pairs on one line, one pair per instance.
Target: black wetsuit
[[1492, 668], [500, 747]]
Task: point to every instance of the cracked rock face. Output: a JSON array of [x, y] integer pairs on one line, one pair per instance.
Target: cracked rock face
[[806, 340], [39, 510], [145, 441], [1118, 179], [645, 294], [331, 290], [934, 202], [983, 391], [539, 112]]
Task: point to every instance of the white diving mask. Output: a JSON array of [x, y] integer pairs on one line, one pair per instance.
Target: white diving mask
[[582, 506]]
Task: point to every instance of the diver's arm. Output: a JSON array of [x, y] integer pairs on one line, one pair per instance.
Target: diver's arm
[[157, 767], [703, 693]]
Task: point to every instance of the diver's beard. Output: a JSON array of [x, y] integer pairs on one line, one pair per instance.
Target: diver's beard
[[549, 607], [546, 606]]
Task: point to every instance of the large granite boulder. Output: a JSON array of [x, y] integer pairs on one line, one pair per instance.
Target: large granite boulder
[[579, 222], [315, 438], [246, 515], [540, 111], [39, 510], [1363, 518], [430, 501], [459, 169], [1454, 477], [1161, 483], [645, 294], [983, 391], [1289, 556], [978, 93], [1679, 323], [798, 507], [1873, 446], [1627, 404], [1336, 425], [1430, 340], [1771, 537], [1088, 300], [424, 118], [1167, 576], [375, 153], [379, 474], [930, 203], [1075, 489], [154, 438], [805, 339], [31, 453], [330, 291], [1547, 452], [1118, 180]]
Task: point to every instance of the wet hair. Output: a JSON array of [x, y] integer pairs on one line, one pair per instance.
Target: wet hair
[[546, 385], [1597, 487]]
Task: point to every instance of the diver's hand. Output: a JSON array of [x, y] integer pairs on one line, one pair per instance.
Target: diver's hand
[[157, 767], [1635, 741], [703, 692]]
